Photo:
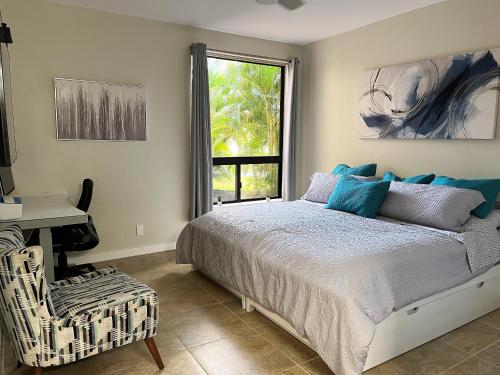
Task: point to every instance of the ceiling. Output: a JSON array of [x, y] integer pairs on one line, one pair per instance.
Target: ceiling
[[316, 20]]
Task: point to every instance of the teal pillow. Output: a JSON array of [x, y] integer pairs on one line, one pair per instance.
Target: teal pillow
[[488, 187], [339, 168], [389, 176], [362, 198], [420, 179], [366, 170]]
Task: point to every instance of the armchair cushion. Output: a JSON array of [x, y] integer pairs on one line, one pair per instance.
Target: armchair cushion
[[95, 292], [82, 278]]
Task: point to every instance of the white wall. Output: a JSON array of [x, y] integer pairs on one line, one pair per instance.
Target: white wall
[[135, 182], [332, 68]]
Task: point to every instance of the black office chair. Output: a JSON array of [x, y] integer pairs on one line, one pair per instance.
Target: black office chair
[[77, 237]]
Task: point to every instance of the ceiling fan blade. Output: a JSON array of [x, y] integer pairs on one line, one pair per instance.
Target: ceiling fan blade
[[291, 4], [267, 2]]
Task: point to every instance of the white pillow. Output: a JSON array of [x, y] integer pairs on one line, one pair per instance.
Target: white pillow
[[321, 187]]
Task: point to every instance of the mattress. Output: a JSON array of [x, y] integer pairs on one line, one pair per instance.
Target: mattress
[[332, 275]]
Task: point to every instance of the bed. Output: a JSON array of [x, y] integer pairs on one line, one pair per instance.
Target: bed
[[358, 291]]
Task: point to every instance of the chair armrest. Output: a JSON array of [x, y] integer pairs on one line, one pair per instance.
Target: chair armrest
[[82, 278]]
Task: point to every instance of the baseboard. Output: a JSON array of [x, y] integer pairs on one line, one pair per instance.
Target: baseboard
[[95, 256]]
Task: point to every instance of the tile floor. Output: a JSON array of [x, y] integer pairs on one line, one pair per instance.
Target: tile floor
[[203, 330]]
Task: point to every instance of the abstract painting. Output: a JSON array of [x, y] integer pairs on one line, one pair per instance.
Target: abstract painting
[[99, 111], [453, 97]]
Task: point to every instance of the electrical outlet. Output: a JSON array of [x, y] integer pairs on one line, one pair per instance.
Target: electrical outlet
[[139, 229]]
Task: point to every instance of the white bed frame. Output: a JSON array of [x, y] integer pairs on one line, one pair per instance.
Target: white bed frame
[[417, 323]]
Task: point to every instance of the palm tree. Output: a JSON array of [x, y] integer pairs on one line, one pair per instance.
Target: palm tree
[[245, 105]]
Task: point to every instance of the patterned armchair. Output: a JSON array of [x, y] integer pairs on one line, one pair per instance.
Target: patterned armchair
[[71, 319]]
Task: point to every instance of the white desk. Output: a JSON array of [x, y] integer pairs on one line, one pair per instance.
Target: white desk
[[43, 213]]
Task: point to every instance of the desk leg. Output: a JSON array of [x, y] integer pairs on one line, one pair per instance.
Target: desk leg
[[48, 254]]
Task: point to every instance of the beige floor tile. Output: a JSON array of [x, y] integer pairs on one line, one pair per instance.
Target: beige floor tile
[[216, 313], [221, 294], [142, 264], [200, 326], [129, 359], [294, 371], [12, 370], [197, 276], [431, 358], [184, 298], [86, 366], [10, 361], [179, 363], [203, 333], [316, 367], [166, 340], [125, 362], [254, 319], [167, 279], [289, 345], [491, 354], [182, 363], [472, 337], [492, 319], [474, 366], [241, 355], [171, 279], [387, 368]]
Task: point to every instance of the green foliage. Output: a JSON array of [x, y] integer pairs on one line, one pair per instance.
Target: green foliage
[[245, 102]]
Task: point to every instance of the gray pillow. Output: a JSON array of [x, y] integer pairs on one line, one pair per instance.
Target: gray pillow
[[322, 185], [441, 207]]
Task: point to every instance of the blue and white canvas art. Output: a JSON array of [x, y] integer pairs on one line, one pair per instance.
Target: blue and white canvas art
[[453, 97]]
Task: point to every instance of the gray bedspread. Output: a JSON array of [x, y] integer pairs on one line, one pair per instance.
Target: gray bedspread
[[332, 275]]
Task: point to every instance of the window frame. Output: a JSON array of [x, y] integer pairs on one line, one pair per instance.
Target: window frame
[[238, 161]]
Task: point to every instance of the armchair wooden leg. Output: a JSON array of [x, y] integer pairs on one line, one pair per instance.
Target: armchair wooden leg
[[37, 371], [150, 343]]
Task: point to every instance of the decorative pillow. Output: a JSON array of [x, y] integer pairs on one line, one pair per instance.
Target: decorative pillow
[[321, 187], [440, 207], [480, 234], [488, 187], [361, 170], [362, 198], [420, 179]]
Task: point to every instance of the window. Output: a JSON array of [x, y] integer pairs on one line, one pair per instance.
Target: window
[[246, 105]]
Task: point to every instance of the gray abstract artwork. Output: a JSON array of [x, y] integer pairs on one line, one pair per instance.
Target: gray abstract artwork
[[452, 97], [99, 111]]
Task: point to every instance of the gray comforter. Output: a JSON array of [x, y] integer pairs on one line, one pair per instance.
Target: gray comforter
[[332, 275]]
